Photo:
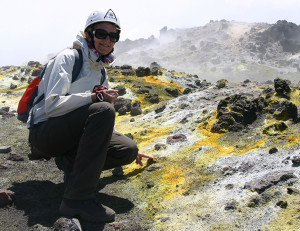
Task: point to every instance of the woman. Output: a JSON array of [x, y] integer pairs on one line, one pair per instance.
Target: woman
[[75, 120]]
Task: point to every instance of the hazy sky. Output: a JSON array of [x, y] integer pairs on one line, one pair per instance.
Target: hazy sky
[[33, 29]]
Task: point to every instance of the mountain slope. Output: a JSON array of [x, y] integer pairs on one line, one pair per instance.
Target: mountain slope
[[221, 49]]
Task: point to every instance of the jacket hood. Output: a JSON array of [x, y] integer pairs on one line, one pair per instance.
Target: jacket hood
[[81, 42]]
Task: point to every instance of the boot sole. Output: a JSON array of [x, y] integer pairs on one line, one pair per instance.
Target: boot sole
[[78, 212]]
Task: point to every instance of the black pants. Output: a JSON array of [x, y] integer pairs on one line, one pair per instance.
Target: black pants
[[87, 140]]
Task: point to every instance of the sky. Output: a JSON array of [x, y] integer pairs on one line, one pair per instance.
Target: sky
[[31, 30]]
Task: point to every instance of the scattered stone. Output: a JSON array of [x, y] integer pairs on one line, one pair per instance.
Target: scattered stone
[[143, 133], [150, 185], [221, 83], [65, 224], [142, 91], [268, 92], [128, 72], [5, 109], [135, 110], [118, 171], [37, 72], [261, 184], [164, 219], [15, 157], [142, 71], [282, 88], [232, 205], [151, 161], [153, 167], [160, 108], [172, 91], [275, 128], [282, 204], [6, 197], [5, 164], [155, 69], [126, 67], [176, 138], [118, 225], [13, 86], [158, 147], [229, 186], [296, 160], [33, 64], [121, 90], [254, 202], [122, 102], [6, 115], [154, 99], [293, 191], [187, 192], [5, 149], [187, 91], [283, 110], [273, 150], [39, 227], [132, 120]]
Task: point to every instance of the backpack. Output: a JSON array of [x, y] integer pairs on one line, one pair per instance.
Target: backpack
[[27, 100]]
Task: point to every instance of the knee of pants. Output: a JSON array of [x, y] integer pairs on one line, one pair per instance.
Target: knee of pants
[[132, 152], [102, 109], [122, 157]]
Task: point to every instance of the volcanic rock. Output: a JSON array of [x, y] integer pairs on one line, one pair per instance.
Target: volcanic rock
[[176, 138], [6, 197]]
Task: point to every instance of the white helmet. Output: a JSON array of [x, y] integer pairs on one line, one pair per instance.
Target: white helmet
[[103, 16]]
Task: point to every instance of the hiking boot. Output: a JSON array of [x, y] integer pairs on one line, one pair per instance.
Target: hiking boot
[[89, 210]]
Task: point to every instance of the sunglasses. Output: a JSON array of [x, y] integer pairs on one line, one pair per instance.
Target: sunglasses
[[102, 34]]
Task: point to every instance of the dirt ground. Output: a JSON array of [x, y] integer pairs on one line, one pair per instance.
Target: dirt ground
[[38, 187]]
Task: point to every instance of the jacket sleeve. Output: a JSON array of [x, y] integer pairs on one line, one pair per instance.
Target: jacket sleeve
[[57, 100]]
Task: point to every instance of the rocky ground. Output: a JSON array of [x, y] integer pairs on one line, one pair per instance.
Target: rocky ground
[[227, 156]]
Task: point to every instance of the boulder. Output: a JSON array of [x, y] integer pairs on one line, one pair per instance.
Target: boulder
[[283, 110], [172, 91], [122, 102], [136, 109], [121, 90], [142, 71], [282, 88], [221, 83], [237, 111]]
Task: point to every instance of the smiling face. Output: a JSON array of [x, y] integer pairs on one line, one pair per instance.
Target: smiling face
[[104, 46]]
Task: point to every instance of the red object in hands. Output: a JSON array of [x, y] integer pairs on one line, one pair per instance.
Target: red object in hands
[[98, 89]]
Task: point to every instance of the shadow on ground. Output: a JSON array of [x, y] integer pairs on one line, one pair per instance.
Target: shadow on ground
[[40, 201]]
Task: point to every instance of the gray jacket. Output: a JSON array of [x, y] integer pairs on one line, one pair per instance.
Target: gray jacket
[[62, 96]]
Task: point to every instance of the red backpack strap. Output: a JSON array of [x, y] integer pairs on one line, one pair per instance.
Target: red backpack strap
[[28, 95]]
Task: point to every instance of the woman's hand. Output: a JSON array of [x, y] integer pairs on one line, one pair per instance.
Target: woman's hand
[[140, 157], [110, 95]]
